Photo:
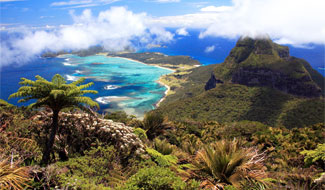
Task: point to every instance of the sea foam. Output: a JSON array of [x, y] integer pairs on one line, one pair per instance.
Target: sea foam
[[71, 78], [108, 99], [111, 87], [68, 64]]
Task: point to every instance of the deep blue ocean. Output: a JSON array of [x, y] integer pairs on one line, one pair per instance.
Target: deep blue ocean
[[131, 86]]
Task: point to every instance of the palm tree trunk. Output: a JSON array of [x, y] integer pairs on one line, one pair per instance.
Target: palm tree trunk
[[50, 142]]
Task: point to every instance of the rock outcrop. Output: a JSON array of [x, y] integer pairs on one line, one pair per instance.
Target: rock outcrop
[[212, 82]]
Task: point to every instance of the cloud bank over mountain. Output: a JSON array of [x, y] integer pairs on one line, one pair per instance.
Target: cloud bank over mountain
[[289, 21], [114, 29]]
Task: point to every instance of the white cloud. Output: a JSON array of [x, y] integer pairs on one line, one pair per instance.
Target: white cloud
[[114, 29], [291, 21], [82, 3], [209, 49], [216, 9], [182, 32], [43, 17], [198, 20]]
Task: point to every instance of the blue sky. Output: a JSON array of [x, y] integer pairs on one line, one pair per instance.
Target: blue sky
[[47, 12]]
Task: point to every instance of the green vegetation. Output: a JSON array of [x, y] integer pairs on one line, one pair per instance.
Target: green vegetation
[[119, 116], [187, 155], [5, 103], [55, 95], [156, 178], [231, 137], [233, 102], [153, 123], [228, 161], [316, 155]]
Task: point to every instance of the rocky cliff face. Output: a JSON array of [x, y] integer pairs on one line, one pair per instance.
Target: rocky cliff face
[[261, 62], [212, 82], [276, 80]]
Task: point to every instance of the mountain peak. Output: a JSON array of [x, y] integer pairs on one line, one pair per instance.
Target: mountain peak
[[261, 62]]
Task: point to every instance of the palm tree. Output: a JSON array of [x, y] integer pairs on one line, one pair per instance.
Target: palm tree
[[56, 95], [228, 162]]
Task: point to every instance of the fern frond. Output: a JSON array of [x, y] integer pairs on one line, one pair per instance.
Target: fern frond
[[55, 93], [58, 80], [5, 103], [85, 85], [25, 81], [86, 100], [79, 81], [89, 92]]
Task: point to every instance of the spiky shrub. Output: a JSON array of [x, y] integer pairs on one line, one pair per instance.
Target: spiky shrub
[[163, 146], [56, 95], [228, 162], [12, 176], [154, 123]]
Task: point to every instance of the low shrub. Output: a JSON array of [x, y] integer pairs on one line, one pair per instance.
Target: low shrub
[[154, 178]]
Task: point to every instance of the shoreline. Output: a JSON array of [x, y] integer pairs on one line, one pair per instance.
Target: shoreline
[[166, 92], [142, 62], [158, 81]]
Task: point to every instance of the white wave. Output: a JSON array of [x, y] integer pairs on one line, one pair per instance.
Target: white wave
[[111, 87], [103, 100], [68, 64], [321, 68], [108, 99], [67, 59], [79, 72], [71, 78]]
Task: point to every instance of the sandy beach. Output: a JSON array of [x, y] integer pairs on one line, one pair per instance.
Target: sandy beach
[[142, 62], [166, 92]]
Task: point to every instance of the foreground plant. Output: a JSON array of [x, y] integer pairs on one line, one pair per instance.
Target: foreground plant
[[56, 95], [154, 123], [228, 162], [12, 176]]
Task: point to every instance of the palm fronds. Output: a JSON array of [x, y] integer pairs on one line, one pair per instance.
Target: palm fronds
[[228, 162], [154, 123], [56, 93], [163, 146], [12, 176]]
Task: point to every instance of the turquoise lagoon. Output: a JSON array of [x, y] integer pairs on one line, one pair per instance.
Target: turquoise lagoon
[[122, 84]]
